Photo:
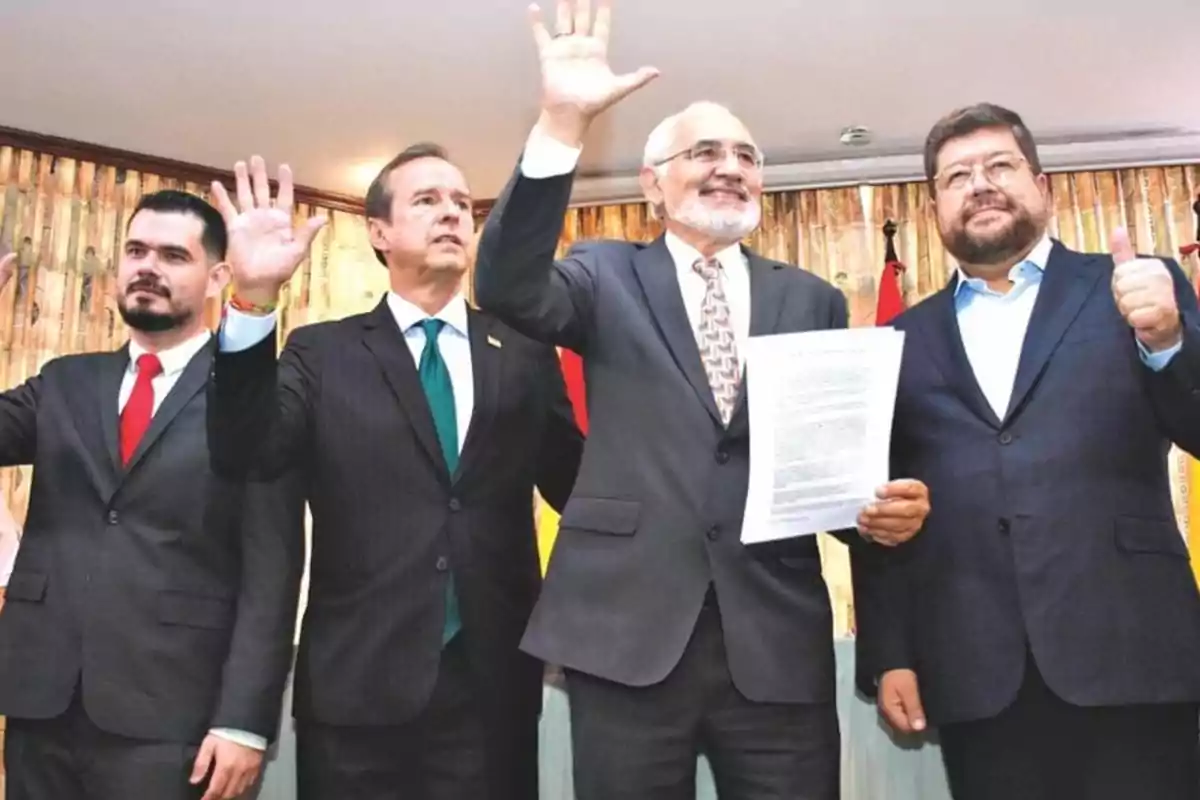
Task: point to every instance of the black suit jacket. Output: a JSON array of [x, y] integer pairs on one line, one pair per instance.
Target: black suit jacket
[[655, 517], [1052, 529], [170, 593], [345, 405]]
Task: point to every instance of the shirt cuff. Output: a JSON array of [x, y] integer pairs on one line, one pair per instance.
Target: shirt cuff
[[1158, 361], [245, 739], [546, 157], [241, 331]]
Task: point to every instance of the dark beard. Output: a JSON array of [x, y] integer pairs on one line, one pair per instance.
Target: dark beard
[[152, 321], [998, 248]]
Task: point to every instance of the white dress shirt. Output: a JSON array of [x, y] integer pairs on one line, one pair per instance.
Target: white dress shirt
[[546, 157], [241, 331], [735, 278], [453, 342], [174, 360]]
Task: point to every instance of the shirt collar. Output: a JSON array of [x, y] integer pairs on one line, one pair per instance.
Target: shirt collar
[[1037, 259], [685, 256], [454, 313], [173, 359]]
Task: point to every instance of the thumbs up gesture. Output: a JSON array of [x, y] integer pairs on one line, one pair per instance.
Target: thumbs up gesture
[[1145, 295]]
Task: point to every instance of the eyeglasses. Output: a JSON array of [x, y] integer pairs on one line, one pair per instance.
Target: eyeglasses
[[710, 153], [999, 170]]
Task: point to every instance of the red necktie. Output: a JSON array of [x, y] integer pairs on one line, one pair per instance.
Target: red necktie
[[140, 406]]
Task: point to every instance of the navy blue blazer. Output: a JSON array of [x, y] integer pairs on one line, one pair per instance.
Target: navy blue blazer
[[1052, 530]]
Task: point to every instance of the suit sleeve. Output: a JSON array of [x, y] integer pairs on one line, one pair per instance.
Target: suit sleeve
[[882, 603], [259, 407], [260, 653], [562, 442], [883, 592], [1175, 389], [517, 278], [18, 422]]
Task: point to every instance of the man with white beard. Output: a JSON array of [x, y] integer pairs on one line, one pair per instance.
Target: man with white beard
[[675, 637]]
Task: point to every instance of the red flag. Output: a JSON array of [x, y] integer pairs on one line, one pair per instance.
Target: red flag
[[891, 299], [572, 368]]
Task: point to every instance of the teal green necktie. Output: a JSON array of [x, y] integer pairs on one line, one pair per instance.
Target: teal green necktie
[[439, 391]]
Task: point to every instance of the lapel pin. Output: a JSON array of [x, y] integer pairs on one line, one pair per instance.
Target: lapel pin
[[494, 342]]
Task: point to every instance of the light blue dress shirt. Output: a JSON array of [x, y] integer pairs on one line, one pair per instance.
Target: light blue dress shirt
[[993, 325]]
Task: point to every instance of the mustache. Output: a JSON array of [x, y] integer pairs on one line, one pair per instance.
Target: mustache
[[149, 285], [986, 202], [726, 186]]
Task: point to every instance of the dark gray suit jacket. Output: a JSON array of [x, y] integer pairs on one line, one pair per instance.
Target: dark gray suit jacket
[[168, 592], [655, 516]]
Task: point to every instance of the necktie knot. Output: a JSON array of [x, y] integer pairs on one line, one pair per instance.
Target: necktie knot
[[707, 268], [432, 327], [149, 366]]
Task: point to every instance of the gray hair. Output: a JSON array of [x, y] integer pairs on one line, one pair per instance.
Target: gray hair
[[662, 139]]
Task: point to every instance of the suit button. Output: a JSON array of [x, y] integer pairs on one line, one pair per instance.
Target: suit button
[[443, 564], [1005, 438], [722, 456], [113, 518], [455, 505], [1003, 526], [714, 533]]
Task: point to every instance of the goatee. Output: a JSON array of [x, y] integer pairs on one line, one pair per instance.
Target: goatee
[[152, 321]]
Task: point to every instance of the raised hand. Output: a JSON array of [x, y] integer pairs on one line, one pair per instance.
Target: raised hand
[[577, 82], [1145, 295], [265, 247]]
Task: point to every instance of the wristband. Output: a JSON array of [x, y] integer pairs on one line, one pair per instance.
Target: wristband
[[247, 307]]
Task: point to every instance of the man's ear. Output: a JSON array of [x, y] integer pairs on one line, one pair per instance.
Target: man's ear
[[375, 234], [219, 276], [648, 178]]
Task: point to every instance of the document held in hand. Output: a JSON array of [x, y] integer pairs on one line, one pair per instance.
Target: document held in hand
[[821, 405]]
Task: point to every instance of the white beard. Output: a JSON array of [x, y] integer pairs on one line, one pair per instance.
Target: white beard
[[720, 224]]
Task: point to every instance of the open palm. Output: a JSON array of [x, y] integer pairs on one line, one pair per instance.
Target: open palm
[[576, 76], [265, 247]]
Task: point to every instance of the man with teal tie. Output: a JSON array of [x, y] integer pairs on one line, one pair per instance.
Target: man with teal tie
[[422, 427]]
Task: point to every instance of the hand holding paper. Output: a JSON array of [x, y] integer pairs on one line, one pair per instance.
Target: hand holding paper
[[898, 515], [821, 406]]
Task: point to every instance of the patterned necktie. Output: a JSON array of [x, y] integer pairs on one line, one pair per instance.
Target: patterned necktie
[[139, 408], [439, 392], [718, 348]]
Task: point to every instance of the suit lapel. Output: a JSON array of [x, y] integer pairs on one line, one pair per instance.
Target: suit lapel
[[767, 293], [190, 383], [655, 271], [1065, 286], [112, 371], [383, 337], [486, 367], [947, 346]]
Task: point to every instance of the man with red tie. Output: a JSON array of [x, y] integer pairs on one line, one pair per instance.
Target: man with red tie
[[148, 623]]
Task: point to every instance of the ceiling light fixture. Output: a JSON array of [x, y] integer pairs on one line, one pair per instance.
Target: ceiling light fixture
[[856, 136]]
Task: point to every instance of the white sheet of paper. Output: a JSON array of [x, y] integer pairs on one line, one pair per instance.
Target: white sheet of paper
[[821, 405]]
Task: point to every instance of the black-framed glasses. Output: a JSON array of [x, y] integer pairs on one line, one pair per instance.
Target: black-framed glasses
[[710, 152]]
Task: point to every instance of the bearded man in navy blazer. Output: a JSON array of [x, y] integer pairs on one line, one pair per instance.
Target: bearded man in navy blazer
[[1046, 619]]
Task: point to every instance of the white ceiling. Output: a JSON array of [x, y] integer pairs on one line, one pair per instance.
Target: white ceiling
[[330, 89]]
